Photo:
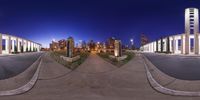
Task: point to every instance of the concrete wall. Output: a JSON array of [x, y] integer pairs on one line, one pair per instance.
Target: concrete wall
[[12, 43], [175, 46]]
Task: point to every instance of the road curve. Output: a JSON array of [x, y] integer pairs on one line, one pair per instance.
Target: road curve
[[180, 67], [13, 65]]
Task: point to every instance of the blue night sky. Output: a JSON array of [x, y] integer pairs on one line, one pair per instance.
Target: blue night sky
[[44, 20]]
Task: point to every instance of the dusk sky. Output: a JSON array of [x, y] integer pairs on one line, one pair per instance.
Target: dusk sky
[[44, 20]]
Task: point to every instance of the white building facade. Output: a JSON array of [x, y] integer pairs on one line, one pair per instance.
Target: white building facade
[[186, 43], [12, 44]]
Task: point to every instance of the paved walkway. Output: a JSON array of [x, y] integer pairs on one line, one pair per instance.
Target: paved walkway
[[51, 69], [97, 80], [95, 64]]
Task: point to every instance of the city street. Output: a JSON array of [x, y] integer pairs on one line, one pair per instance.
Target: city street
[[180, 67], [12, 65]]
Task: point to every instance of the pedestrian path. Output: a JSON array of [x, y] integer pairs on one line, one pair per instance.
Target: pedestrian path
[[95, 64], [51, 69], [96, 79]]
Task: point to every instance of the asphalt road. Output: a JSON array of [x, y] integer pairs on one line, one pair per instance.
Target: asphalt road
[[13, 65], [180, 67]]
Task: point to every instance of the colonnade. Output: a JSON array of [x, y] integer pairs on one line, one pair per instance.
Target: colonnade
[[176, 44], [12, 44]]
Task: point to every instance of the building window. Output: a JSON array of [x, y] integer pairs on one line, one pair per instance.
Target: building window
[[3, 44]]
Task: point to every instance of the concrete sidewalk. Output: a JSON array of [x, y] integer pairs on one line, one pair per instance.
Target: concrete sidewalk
[[126, 83], [51, 69], [20, 79], [95, 64], [11, 66], [170, 85]]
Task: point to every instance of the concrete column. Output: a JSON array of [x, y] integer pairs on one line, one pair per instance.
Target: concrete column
[[25, 45], [196, 45], [182, 45], [0, 43], [70, 47], [153, 47], [118, 48], [20, 44], [176, 45], [9, 44], [159, 46], [187, 47], [29, 47]]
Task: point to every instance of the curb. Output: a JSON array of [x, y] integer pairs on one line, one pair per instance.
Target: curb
[[27, 86], [59, 76], [165, 90]]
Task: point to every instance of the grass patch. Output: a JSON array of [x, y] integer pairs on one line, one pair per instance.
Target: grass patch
[[114, 61], [71, 65]]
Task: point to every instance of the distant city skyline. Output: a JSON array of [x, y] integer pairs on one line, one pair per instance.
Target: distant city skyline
[[43, 21]]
